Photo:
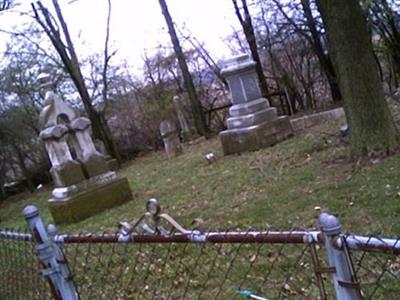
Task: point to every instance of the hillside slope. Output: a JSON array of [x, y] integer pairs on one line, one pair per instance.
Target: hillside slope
[[279, 186]]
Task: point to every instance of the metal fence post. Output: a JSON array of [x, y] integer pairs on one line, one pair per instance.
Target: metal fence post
[[345, 283], [62, 288], [65, 270]]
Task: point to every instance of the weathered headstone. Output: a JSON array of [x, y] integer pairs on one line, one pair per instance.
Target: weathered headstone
[[187, 132], [84, 184], [111, 162], [252, 123], [170, 137]]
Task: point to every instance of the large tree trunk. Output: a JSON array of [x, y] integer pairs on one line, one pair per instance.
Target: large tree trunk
[[371, 124], [245, 21], [198, 114], [70, 60]]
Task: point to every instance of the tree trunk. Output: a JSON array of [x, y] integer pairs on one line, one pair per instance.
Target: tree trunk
[[315, 42], [368, 115], [248, 30], [198, 114], [324, 59], [70, 60], [3, 193]]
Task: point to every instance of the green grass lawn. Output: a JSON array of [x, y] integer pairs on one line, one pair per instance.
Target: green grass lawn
[[278, 186]]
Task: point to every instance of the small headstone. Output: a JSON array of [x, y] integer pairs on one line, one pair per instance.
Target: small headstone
[[99, 144], [170, 137], [187, 133], [112, 163]]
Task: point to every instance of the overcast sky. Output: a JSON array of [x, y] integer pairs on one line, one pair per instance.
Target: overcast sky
[[139, 24]]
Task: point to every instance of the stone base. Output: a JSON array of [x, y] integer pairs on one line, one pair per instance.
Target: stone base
[[113, 164], [317, 118], [67, 174], [252, 119], [94, 165], [188, 136], [172, 145], [256, 137], [92, 201]]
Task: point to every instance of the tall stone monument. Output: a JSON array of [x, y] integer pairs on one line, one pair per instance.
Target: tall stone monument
[[252, 123], [84, 184], [170, 137]]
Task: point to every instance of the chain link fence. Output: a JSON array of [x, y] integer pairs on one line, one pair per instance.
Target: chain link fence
[[20, 276], [177, 267], [376, 263], [160, 264]]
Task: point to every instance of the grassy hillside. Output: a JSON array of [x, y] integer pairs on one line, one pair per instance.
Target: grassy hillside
[[278, 186]]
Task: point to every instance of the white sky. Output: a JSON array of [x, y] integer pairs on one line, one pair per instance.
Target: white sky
[[138, 24]]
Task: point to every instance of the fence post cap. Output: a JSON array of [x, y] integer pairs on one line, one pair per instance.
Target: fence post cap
[[329, 224], [30, 211], [51, 229]]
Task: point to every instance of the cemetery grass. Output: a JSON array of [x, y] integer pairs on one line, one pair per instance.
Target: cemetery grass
[[276, 187]]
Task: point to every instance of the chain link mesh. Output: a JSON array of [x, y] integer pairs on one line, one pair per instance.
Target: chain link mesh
[[378, 269], [19, 268], [193, 270], [104, 268]]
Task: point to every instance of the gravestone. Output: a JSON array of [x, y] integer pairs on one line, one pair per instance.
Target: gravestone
[[84, 183], [187, 132], [170, 137], [111, 162], [252, 123]]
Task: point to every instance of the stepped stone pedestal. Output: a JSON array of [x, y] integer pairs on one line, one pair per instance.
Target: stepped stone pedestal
[[252, 123], [84, 183]]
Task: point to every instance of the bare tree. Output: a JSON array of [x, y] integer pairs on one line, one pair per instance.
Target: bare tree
[[309, 31], [205, 55], [245, 21], [198, 114], [385, 16], [71, 63], [107, 57], [5, 4]]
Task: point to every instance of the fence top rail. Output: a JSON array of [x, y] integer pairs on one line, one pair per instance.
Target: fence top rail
[[371, 243], [353, 242], [15, 235], [293, 237]]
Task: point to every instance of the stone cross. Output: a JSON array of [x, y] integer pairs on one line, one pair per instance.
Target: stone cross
[[64, 132], [170, 137], [93, 162]]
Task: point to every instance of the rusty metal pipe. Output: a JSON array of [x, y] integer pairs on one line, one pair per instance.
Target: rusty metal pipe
[[296, 237]]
